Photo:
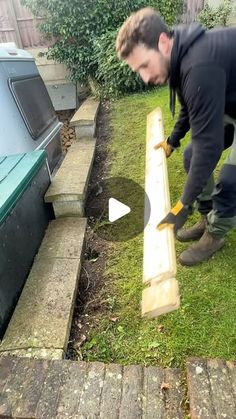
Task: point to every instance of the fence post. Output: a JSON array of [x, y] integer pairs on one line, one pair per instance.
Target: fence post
[[12, 13]]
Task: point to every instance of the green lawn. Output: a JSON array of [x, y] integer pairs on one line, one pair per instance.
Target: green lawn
[[205, 323]]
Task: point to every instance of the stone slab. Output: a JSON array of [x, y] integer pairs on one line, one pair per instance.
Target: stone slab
[[174, 393], [68, 184], [153, 397], [7, 367], [223, 398], [80, 153], [25, 406], [68, 208], [87, 113], [47, 405], [232, 373], [199, 390], [111, 393], [71, 390], [83, 144], [211, 388], [43, 314], [71, 179], [64, 238], [85, 131], [131, 400], [92, 389], [34, 353], [14, 387]]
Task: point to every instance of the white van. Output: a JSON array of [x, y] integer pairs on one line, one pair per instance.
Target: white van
[[28, 120]]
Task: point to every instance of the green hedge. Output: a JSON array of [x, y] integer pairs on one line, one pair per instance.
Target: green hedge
[[77, 24], [113, 76], [210, 17]]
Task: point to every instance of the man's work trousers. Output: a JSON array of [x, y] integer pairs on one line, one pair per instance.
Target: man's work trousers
[[218, 201]]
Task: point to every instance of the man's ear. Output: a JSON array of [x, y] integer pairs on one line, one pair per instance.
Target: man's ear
[[163, 43]]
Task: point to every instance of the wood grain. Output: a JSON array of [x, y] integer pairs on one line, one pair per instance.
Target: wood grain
[[159, 261]]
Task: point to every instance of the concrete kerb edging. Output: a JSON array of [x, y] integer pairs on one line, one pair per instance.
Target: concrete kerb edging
[[67, 192], [32, 345], [40, 325], [84, 120]]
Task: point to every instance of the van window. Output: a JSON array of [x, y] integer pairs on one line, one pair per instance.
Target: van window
[[34, 103]]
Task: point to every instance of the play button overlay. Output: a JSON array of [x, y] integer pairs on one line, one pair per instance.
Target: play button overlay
[[117, 208]]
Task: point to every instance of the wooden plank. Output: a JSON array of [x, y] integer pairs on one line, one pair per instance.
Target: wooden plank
[[91, 396], [153, 400], [111, 393], [159, 261], [160, 298], [159, 249], [221, 389], [71, 390], [201, 406], [131, 400]]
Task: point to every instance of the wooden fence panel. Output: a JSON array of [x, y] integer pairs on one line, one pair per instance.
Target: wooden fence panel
[[18, 25], [30, 35], [191, 9], [8, 26]]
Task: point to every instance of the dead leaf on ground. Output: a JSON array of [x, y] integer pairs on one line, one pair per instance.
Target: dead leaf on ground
[[166, 386], [114, 319], [160, 328]]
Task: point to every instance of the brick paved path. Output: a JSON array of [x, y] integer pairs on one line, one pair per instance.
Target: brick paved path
[[64, 389], [67, 389]]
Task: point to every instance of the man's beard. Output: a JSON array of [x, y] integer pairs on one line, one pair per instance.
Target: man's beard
[[156, 81]]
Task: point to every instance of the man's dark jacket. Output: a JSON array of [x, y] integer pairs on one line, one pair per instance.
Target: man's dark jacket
[[203, 73]]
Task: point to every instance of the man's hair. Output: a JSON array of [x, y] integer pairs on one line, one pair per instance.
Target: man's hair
[[142, 27]]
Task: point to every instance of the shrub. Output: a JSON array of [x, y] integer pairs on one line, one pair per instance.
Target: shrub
[[113, 76], [76, 24], [211, 16]]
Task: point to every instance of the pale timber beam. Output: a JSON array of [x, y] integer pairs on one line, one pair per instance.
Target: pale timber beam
[[159, 262]]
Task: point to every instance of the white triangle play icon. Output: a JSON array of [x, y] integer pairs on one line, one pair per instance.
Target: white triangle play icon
[[117, 209]]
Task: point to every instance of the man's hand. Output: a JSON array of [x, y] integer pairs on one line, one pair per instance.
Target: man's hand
[[177, 217], [166, 146]]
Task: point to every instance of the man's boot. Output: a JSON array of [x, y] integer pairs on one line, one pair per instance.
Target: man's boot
[[202, 250], [193, 233]]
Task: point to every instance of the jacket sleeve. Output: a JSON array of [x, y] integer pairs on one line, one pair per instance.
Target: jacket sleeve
[[181, 126], [204, 93]]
